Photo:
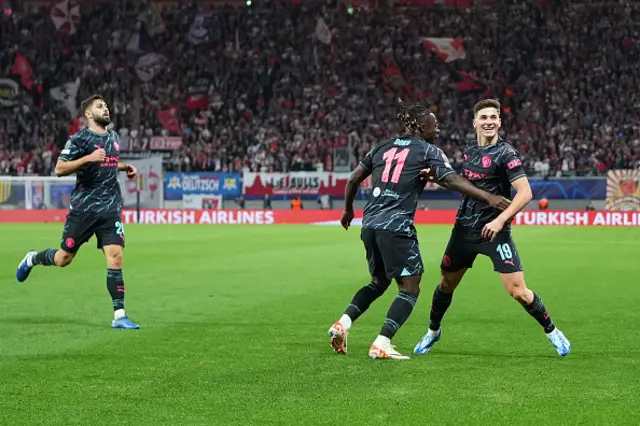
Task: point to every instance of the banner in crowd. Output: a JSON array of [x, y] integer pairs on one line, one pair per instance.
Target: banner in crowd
[[152, 20], [199, 29], [149, 65], [66, 94], [65, 15], [177, 185], [169, 122], [325, 217], [447, 49], [623, 190], [148, 183], [198, 93], [165, 143], [309, 184], [22, 68], [202, 202], [9, 92]]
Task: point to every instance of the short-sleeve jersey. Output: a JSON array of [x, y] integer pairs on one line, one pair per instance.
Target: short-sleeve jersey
[[97, 189], [491, 168], [395, 166]]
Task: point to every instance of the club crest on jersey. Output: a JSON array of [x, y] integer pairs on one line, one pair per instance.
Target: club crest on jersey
[[486, 162], [116, 146]]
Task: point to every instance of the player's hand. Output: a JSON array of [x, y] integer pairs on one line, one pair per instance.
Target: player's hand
[[131, 171], [97, 156], [427, 176], [347, 217], [492, 228], [498, 202]]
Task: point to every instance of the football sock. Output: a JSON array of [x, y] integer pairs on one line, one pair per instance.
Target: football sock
[[439, 306], [44, 258], [398, 313], [345, 320], [537, 310], [362, 300], [115, 285]]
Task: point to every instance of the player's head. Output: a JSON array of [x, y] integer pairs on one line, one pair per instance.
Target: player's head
[[94, 108], [486, 119], [418, 119]]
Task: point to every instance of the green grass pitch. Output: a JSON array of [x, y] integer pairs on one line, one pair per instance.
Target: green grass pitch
[[234, 322]]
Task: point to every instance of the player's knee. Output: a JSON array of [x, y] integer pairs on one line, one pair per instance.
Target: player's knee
[[114, 260], [519, 293], [380, 285], [410, 285], [447, 283], [62, 258]]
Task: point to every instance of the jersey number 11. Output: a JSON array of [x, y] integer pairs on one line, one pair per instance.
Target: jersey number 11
[[389, 157]]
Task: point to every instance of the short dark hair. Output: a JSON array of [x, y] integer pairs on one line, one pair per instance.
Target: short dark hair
[[486, 103], [86, 104], [410, 115]]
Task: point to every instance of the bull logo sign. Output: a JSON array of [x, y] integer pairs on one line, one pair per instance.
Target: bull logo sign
[[623, 190]]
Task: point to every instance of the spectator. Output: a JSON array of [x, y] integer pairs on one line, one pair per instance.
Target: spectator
[[258, 91]]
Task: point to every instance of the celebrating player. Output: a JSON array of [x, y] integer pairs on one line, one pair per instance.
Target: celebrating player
[[96, 203], [493, 165], [388, 233]]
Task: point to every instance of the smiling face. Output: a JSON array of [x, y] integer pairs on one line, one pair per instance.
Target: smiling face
[[487, 122]]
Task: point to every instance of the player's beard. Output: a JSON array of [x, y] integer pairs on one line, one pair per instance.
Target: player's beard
[[103, 121]]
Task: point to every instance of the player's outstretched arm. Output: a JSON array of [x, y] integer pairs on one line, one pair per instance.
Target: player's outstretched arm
[[66, 168], [457, 183], [356, 178], [522, 198]]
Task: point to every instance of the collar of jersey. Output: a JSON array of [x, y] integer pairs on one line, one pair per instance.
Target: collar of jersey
[[490, 145], [98, 134]]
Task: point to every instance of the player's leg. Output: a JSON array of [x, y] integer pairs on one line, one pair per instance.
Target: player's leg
[[110, 234], [507, 263], [77, 230], [363, 297], [459, 256], [402, 260]]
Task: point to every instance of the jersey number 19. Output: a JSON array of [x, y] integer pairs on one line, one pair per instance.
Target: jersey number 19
[[389, 157]]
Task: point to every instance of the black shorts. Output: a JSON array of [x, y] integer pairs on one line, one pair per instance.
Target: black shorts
[[391, 254], [461, 252], [80, 227]]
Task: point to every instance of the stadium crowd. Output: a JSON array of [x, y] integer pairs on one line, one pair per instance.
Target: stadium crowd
[[277, 98]]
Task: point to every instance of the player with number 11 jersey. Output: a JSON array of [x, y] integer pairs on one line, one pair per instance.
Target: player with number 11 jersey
[[388, 232]]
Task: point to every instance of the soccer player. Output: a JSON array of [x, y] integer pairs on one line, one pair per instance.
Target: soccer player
[[388, 233], [96, 203], [493, 165]]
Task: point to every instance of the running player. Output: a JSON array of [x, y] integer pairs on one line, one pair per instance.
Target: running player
[[96, 203], [493, 165], [388, 233]]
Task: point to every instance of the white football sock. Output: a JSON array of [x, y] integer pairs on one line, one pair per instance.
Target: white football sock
[[118, 314], [382, 341], [432, 333], [30, 260], [345, 320]]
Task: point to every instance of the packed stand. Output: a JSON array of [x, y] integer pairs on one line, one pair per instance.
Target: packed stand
[[279, 99]]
